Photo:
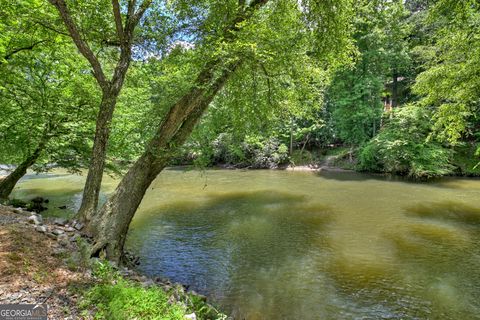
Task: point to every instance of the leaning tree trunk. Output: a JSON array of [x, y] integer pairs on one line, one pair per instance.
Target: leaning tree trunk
[[110, 224], [93, 183], [9, 182]]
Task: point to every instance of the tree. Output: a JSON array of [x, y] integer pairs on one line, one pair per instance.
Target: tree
[[124, 36], [354, 97], [46, 112], [449, 82], [231, 33]]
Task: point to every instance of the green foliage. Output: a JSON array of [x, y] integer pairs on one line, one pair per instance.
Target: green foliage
[[252, 151], [47, 101], [466, 159], [125, 300], [116, 298], [355, 94], [450, 82], [402, 147]]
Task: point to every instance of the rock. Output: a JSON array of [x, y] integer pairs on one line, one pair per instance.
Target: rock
[[191, 316], [69, 229], [34, 219], [63, 240], [57, 232], [60, 221], [57, 252], [51, 235], [147, 283], [75, 237], [41, 229], [18, 210], [198, 295], [15, 296], [79, 226]]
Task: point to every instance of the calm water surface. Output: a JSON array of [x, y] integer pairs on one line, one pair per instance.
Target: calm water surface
[[299, 245]]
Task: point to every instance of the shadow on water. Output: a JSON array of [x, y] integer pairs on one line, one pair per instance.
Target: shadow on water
[[439, 253], [245, 249], [451, 211], [353, 176], [432, 272], [361, 176]]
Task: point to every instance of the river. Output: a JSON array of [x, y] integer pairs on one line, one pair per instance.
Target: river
[[303, 245]]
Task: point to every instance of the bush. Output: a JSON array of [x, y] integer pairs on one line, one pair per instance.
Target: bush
[[268, 153], [403, 146]]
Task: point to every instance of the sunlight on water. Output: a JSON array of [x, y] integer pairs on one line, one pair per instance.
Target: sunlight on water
[[296, 245]]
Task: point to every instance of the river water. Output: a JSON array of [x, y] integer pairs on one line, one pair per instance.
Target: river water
[[303, 245]]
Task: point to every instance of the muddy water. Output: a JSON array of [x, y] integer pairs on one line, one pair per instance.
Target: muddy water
[[298, 245]]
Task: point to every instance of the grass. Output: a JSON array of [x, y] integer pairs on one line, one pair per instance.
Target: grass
[[117, 298]]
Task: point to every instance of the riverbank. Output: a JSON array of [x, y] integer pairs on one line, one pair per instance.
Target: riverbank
[[46, 260]]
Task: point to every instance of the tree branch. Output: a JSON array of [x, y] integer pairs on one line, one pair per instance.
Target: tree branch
[[141, 10], [46, 26], [118, 19], [81, 45], [126, 41], [14, 51]]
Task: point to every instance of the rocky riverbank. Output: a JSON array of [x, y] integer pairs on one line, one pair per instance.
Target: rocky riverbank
[[45, 260]]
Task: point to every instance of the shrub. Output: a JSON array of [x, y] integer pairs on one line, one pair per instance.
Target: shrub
[[404, 146]]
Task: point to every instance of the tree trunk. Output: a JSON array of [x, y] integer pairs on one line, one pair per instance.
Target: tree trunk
[[93, 183], [394, 90], [110, 90], [9, 182], [109, 225]]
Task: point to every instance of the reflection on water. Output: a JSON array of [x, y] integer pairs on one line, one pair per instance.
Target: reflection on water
[[293, 245]]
